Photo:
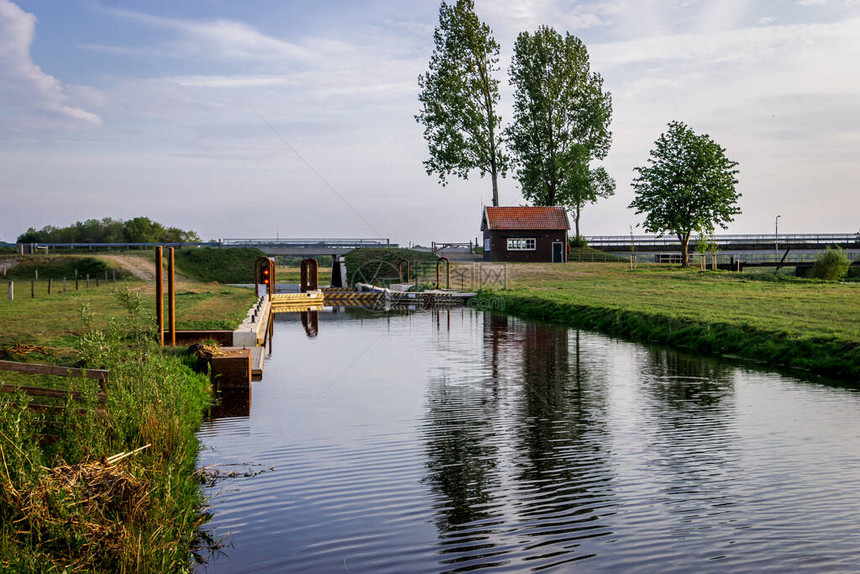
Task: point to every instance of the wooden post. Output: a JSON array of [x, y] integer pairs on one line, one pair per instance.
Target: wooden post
[[32, 289], [37, 274], [171, 295], [50, 284], [64, 284], [114, 275], [76, 279], [106, 276], [88, 280], [159, 292], [11, 290]]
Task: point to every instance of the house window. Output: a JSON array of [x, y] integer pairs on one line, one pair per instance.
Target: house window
[[521, 244]]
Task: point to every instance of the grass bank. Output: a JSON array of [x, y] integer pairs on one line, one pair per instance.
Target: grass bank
[[793, 323], [380, 264], [54, 320], [224, 265], [63, 507]]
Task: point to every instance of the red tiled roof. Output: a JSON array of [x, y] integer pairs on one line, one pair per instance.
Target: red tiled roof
[[526, 218]]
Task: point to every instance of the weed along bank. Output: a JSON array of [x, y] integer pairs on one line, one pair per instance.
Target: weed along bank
[[532, 234]]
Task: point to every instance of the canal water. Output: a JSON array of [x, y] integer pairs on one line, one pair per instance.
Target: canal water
[[454, 440]]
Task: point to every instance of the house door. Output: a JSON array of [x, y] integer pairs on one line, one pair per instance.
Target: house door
[[557, 252]]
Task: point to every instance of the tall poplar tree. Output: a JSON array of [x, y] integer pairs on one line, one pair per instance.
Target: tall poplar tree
[[459, 96], [561, 122]]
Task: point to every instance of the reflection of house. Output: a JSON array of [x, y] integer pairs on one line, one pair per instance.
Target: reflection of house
[[525, 234]]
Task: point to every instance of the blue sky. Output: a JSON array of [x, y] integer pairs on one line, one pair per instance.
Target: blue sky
[[295, 118]]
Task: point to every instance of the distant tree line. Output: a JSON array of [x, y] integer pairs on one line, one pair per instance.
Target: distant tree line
[[108, 230]]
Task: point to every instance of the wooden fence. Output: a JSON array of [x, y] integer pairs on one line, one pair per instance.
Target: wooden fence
[[100, 375]]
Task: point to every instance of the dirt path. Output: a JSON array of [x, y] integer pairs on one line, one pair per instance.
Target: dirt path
[[141, 267]]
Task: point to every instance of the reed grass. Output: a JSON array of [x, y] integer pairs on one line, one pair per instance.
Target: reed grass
[[63, 506]]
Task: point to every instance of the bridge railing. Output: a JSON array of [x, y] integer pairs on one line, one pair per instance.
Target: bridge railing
[[349, 243], [820, 239], [309, 243]]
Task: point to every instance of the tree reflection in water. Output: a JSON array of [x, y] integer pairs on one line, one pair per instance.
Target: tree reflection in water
[[690, 410], [514, 460]]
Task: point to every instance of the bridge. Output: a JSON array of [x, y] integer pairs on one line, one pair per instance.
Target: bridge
[[307, 247], [727, 242], [276, 246]]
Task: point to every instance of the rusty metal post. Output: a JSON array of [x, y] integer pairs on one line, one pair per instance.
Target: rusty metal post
[[309, 275], [257, 277], [447, 273], [159, 292], [303, 280], [314, 279], [271, 263], [171, 295], [400, 269]]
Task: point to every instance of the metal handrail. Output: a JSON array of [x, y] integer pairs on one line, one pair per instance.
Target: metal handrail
[[726, 239]]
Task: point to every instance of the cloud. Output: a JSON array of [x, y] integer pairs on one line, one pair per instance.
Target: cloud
[[216, 39], [30, 98]]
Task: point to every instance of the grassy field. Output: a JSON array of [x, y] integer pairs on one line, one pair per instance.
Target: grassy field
[[294, 275], [55, 319], [62, 508], [798, 323], [59, 266]]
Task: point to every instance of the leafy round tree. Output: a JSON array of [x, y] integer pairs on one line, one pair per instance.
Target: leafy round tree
[[561, 122], [688, 186], [459, 96]]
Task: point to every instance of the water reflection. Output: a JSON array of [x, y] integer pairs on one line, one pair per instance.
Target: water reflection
[[565, 476], [691, 417], [518, 454], [230, 403], [452, 440]]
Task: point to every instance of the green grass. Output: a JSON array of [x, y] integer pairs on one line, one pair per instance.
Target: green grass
[[95, 525], [58, 266], [54, 320], [785, 321], [380, 264], [153, 398], [233, 265], [294, 275]]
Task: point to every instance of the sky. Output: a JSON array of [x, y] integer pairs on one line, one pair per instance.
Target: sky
[[295, 118]]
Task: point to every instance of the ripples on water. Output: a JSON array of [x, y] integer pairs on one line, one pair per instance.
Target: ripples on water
[[452, 441]]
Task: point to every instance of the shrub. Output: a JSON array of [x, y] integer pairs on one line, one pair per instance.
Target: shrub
[[832, 265], [578, 241]]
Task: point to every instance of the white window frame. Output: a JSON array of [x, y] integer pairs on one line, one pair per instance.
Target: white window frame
[[521, 243]]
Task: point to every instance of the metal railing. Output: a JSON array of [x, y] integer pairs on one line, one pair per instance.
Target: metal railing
[[437, 246], [309, 243], [299, 243], [819, 239]]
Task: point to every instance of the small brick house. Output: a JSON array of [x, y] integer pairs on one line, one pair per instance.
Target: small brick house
[[537, 234]]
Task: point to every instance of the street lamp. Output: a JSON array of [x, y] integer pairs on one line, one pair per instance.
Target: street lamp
[[776, 237]]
